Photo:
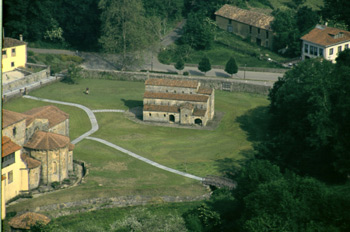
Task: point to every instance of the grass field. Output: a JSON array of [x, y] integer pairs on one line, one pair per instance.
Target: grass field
[[111, 173]]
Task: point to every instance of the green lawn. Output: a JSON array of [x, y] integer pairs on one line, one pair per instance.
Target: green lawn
[[111, 173]]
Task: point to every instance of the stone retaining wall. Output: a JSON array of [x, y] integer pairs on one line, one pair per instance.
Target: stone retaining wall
[[216, 83], [86, 205]]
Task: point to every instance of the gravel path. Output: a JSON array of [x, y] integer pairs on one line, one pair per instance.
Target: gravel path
[[94, 128]]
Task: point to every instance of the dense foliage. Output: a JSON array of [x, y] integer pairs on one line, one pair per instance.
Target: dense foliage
[[204, 65], [231, 66]]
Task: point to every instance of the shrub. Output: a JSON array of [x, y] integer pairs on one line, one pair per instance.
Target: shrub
[[30, 53], [66, 181], [186, 73], [49, 58], [55, 185]]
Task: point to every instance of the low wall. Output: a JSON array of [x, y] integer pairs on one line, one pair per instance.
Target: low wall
[[216, 83]]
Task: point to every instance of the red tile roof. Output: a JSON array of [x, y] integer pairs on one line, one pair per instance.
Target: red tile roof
[[172, 83], [204, 90], [326, 36], [30, 162], [198, 112], [160, 108], [187, 106], [26, 220], [245, 16], [10, 42], [8, 147], [174, 96], [11, 117], [47, 141], [52, 113]]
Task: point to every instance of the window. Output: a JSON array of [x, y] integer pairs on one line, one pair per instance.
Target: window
[[4, 53], [12, 64], [267, 34], [186, 115], [258, 30], [230, 21], [229, 28], [331, 51], [8, 160], [174, 91], [250, 29], [10, 177], [315, 51], [306, 48], [150, 114], [320, 51], [267, 43], [14, 131], [311, 50], [164, 115], [54, 167], [13, 52], [346, 46]]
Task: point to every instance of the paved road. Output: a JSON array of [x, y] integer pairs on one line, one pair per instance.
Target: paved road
[[95, 127]]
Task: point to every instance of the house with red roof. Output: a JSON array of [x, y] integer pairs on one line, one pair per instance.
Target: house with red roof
[[326, 42]]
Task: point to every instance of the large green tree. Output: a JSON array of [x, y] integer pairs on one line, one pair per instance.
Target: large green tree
[[338, 10], [125, 28]]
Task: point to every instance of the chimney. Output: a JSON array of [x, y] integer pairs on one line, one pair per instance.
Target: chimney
[[20, 37]]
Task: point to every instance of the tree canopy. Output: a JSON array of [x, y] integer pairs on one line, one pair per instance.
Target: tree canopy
[[231, 66], [204, 65]]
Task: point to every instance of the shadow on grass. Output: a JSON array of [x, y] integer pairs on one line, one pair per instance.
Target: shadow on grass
[[132, 103], [255, 122]]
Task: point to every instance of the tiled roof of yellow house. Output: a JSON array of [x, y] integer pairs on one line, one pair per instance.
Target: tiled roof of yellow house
[[204, 90], [174, 96], [27, 220], [8, 146], [326, 36], [160, 108], [11, 117], [47, 141], [172, 83], [52, 113], [10, 42], [255, 19], [29, 161]]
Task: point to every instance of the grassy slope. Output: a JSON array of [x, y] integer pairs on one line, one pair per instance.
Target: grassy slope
[[198, 152]]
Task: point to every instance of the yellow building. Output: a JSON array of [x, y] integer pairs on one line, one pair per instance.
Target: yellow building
[[14, 54], [14, 175]]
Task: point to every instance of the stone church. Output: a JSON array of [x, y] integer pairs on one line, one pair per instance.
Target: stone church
[[36, 149], [184, 102]]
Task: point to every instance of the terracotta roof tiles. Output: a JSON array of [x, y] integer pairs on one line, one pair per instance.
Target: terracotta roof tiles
[[245, 16], [47, 141], [326, 36], [172, 83], [52, 113], [174, 96], [204, 90], [161, 108], [29, 161], [10, 42], [8, 147], [11, 117], [26, 220], [198, 112]]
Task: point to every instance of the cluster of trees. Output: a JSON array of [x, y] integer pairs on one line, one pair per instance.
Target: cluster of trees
[[299, 178]]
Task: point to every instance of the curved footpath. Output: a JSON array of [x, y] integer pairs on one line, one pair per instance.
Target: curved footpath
[[94, 128]]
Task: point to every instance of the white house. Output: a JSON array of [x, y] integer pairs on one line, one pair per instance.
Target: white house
[[324, 41]]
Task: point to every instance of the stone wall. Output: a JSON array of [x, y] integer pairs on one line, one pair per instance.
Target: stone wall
[[41, 124], [61, 128], [34, 177], [16, 132], [212, 82]]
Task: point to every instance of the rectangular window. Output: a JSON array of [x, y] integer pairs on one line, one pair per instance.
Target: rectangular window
[[10, 177], [320, 52], [267, 34], [8, 160], [4, 54], [331, 51], [258, 30], [311, 50], [250, 29], [315, 51], [306, 48], [346, 46], [230, 21], [229, 28], [13, 52], [12, 64], [339, 49]]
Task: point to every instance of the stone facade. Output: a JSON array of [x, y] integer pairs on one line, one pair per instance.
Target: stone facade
[[247, 24], [177, 101], [38, 149]]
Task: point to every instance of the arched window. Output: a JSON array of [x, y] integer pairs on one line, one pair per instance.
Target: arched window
[[54, 167]]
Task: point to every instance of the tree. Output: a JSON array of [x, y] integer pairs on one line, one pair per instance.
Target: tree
[[179, 65], [231, 66], [331, 11], [125, 29], [197, 32], [306, 19], [73, 74], [204, 65]]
